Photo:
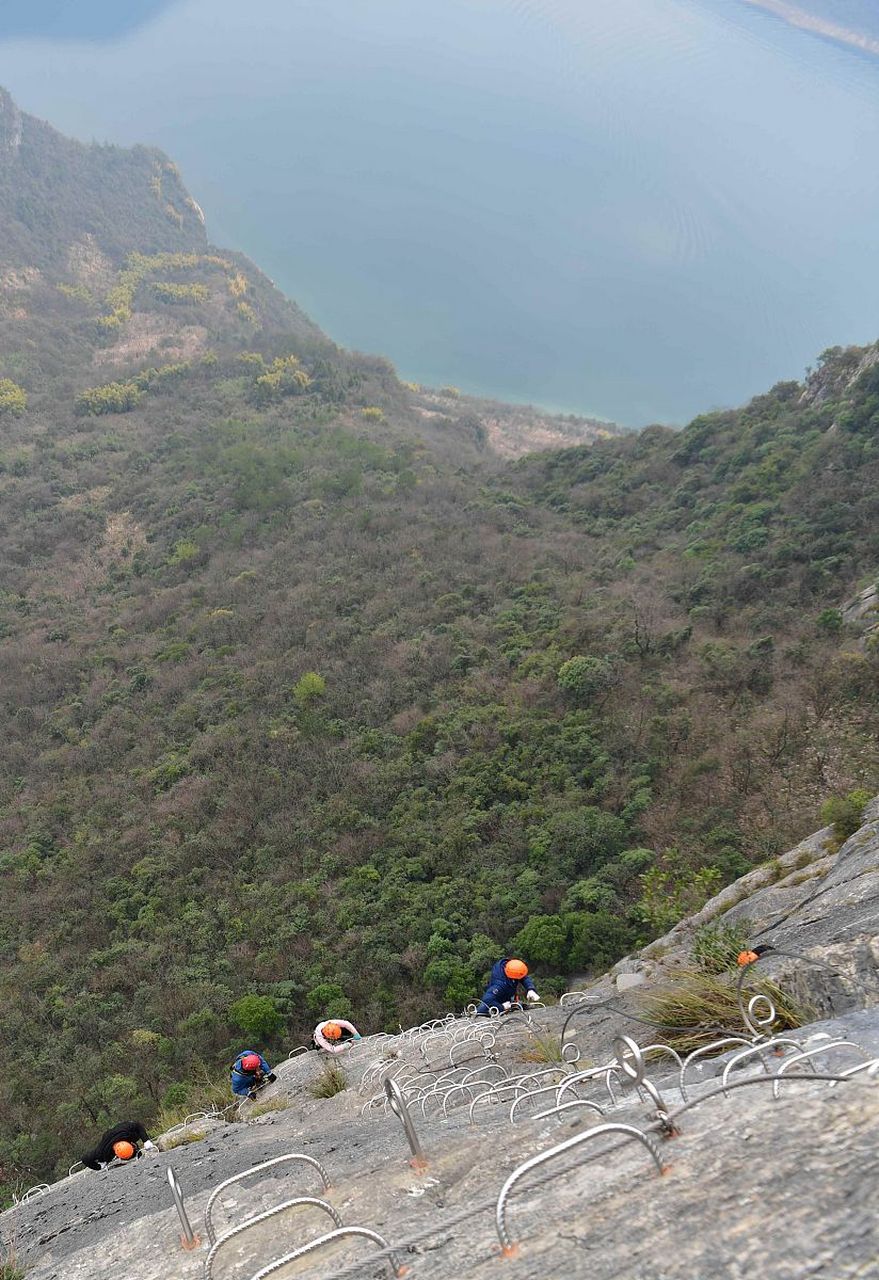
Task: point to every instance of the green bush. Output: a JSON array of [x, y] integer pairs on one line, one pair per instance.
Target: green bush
[[13, 398], [716, 945], [113, 397], [845, 814], [258, 1017], [829, 620], [585, 678], [696, 1006], [308, 688]]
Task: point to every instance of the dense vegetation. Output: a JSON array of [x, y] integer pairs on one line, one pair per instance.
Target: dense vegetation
[[312, 706]]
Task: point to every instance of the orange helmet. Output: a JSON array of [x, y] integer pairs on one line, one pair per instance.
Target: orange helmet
[[123, 1150], [516, 969], [331, 1031], [747, 957]]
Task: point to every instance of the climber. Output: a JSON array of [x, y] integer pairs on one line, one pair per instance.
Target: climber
[[121, 1143], [503, 987], [249, 1073], [334, 1035]]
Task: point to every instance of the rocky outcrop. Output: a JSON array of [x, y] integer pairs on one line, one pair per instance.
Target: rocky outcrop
[[862, 612], [10, 126], [821, 903]]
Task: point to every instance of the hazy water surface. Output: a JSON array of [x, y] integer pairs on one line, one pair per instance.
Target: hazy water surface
[[641, 209]]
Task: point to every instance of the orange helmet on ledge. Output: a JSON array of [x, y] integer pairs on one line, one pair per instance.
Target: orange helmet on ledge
[[331, 1031], [123, 1150], [516, 969]]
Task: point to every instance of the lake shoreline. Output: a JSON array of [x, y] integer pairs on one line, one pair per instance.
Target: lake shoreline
[[794, 16]]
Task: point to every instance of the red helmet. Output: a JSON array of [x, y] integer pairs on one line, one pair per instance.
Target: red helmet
[[250, 1062]]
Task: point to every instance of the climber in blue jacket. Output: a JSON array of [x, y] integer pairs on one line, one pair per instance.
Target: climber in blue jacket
[[250, 1072], [503, 987]]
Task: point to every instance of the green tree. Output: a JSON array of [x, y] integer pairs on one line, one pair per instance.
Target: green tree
[[113, 397], [258, 1017], [543, 940], [585, 678], [308, 688], [13, 398]]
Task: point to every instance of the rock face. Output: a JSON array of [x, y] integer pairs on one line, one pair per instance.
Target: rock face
[[863, 612], [10, 125], [811, 900], [754, 1185]]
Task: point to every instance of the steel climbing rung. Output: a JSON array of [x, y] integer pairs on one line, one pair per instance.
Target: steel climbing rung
[[392, 1260], [258, 1168], [264, 1217], [626, 1130]]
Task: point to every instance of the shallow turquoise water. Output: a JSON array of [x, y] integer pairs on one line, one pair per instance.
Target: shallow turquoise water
[[641, 209]]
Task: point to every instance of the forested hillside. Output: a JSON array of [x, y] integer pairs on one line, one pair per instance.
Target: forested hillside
[[308, 696]]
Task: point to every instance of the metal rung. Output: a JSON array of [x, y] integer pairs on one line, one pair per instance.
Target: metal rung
[[392, 1259], [258, 1168], [810, 1054], [703, 1051], [566, 1106], [264, 1217], [759, 1050], [508, 1246]]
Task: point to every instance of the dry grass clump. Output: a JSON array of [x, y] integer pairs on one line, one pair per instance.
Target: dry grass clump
[[698, 1007], [270, 1104], [332, 1080], [182, 1139], [542, 1049], [206, 1094]]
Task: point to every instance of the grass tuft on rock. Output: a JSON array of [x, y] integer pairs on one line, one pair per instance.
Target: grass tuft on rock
[[332, 1080], [271, 1104], [206, 1093], [697, 1007], [542, 1049], [184, 1139]]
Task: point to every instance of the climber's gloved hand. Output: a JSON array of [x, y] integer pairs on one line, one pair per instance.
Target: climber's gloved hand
[[357, 1036], [507, 1006], [271, 1078], [251, 1095], [149, 1145], [532, 996]]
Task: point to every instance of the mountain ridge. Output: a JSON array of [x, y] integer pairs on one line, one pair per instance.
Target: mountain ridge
[[310, 696]]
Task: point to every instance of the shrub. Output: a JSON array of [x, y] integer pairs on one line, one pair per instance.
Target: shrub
[[264, 1108], [13, 398], [113, 397], [542, 1048], [203, 1092], [829, 620], [674, 890], [184, 1138], [845, 813], [585, 677], [170, 292], [716, 946], [543, 940], [257, 1016], [328, 1000], [308, 688]]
